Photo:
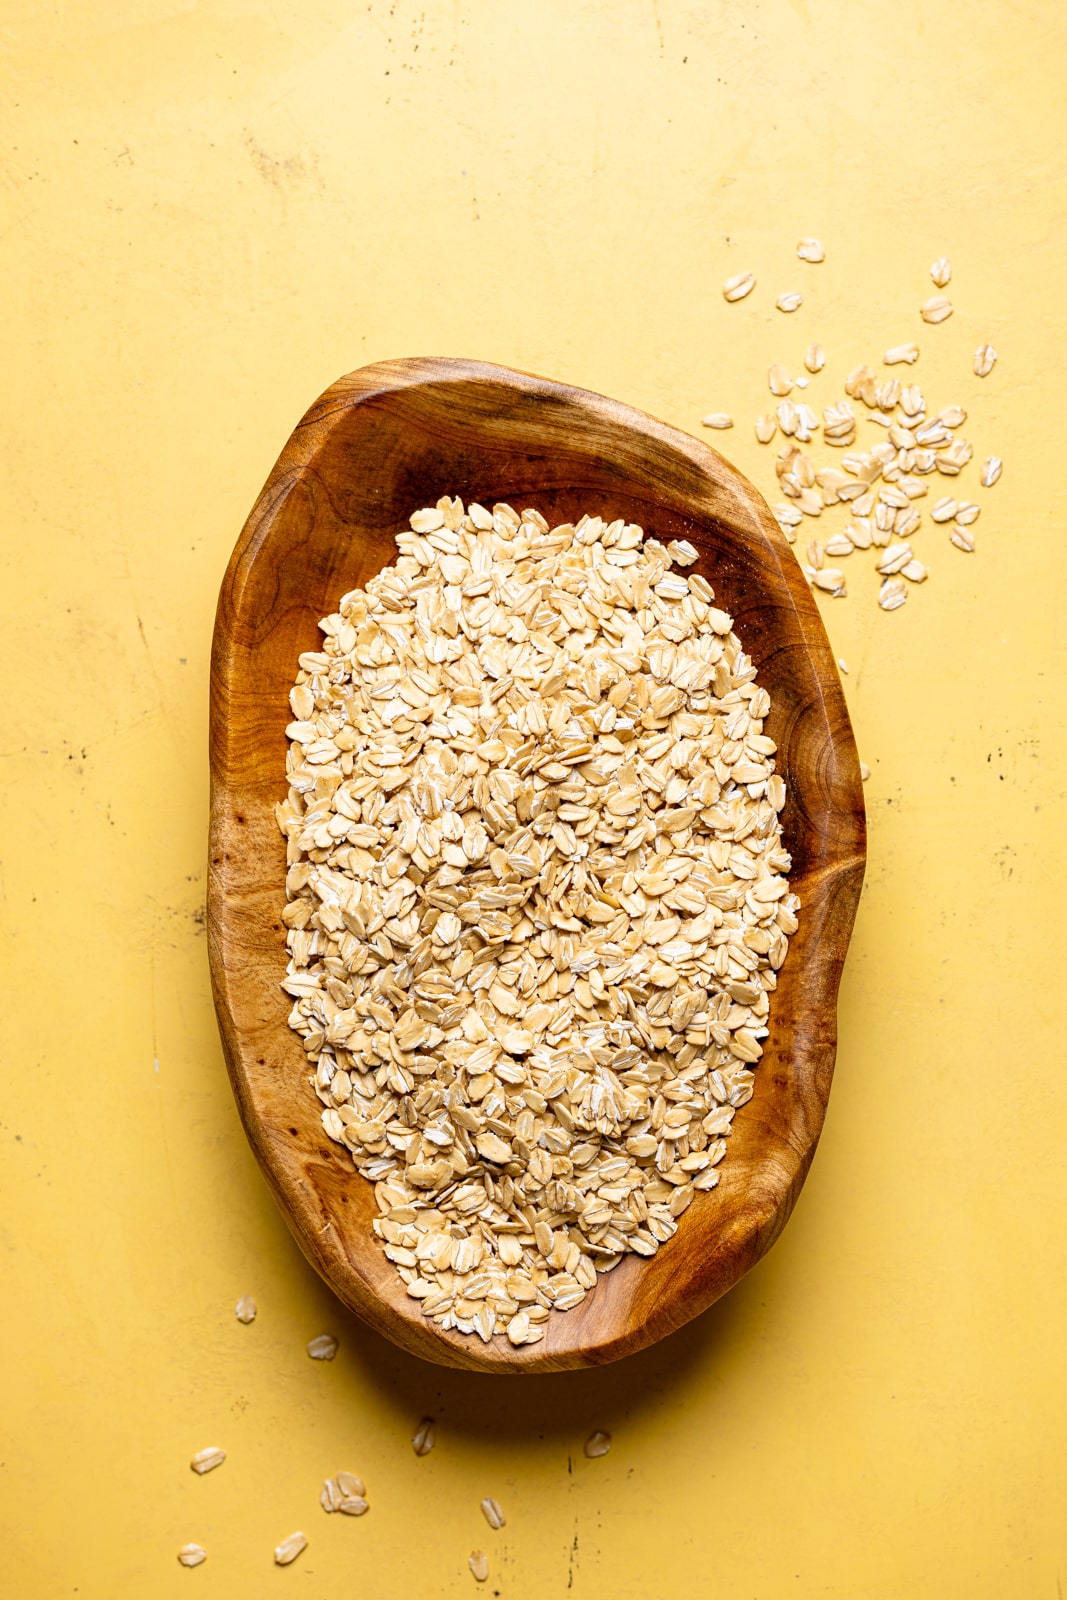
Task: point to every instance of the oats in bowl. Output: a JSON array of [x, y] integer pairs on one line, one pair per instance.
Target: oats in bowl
[[537, 900]]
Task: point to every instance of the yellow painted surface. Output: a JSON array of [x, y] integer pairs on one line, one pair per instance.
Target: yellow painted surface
[[210, 212]]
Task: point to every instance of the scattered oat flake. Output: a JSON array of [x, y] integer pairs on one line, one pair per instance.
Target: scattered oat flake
[[789, 302], [992, 467], [717, 419], [191, 1555], [766, 427], [815, 358], [962, 538], [493, 1512], [290, 1548], [598, 1444], [985, 359], [352, 1505], [892, 594], [842, 663], [811, 250], [478, 1562], [954, 457], [245, 1309], [778, 380], [936, 309], [323, 1347], [788, 417], [898, 353], [895, 557], [865, 771], [832, 581], [208, 1459], [422, 1440], [737, 287], [941, 271]]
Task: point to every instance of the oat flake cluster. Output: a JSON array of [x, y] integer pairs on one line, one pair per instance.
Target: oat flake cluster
[[536, 900], [879, 484]]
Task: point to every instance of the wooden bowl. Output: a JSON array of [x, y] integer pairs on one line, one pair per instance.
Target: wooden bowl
[[377, 445]]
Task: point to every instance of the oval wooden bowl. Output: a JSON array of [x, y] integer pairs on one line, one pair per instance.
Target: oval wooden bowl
[[377, 445]]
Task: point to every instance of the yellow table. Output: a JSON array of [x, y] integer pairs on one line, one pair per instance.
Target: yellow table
[[212, 211]]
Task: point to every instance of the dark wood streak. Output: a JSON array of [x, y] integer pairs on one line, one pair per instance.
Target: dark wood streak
[[378, 444]]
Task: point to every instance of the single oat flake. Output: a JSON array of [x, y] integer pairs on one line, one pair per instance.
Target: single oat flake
[[323, 1347], [717, 419], [985, 359], [493, 1512], [899, 353], [992, 467], [892, 594], [422, 1441], [191, 1555], [537, 900], [789, 302], [478, 1562], [811, 250], [815, 358], [245, 1309], [597, 1444], [208, 1459], [941, 271], [936, 309], [832, 581], [289, 1549], [737, 287]]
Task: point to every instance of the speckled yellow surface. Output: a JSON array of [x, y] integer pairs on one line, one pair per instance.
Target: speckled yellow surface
[[210, 212]]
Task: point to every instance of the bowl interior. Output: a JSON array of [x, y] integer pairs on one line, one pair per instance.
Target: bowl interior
[[375, 448]]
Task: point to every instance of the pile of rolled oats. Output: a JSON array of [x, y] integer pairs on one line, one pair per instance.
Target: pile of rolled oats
[[536, 900]]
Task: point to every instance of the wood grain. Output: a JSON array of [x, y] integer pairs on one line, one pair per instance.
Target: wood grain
[[378, 444]]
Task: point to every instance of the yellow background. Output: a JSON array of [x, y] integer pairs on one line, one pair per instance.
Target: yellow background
[[209, 213]]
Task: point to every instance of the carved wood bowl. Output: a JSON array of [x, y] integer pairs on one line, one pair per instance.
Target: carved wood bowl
[[380, 443]]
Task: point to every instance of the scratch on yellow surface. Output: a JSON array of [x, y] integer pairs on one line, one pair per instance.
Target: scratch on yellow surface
[[211, 212]]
